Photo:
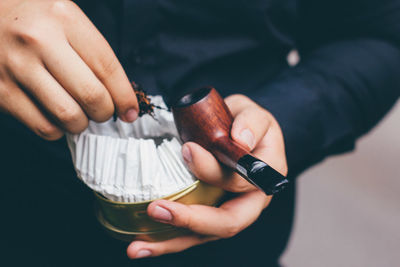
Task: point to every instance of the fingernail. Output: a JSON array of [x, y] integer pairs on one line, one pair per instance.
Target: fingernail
[[187, 155], [247, 136], [161, 214], [131, 115], [143, 253]]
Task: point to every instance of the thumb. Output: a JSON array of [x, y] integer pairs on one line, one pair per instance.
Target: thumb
[[206, 167], [229, 219], [250, 125]]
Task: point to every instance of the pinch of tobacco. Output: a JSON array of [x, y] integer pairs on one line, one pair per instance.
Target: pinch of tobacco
[[145, 105]]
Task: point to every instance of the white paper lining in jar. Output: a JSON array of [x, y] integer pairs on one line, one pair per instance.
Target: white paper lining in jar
[[131, 162]]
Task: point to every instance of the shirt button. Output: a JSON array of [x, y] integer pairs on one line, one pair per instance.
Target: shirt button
[[293, 58]]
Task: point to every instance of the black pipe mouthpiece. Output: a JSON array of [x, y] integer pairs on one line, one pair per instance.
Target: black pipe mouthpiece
[[261, 175]]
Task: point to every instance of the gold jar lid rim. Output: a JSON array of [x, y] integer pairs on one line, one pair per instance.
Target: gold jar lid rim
[[172, 197]]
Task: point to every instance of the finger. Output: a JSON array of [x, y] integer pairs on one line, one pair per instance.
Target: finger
[[227, 220], [206, 168], [251, 122], [92, 47], [255, 127], [20, 106], [141, 249], [272, 149], [237, 103], [52, 97], [66, 66], [250, 126]]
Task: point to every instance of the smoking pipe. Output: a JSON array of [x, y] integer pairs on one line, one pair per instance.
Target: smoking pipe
[[203, 117]]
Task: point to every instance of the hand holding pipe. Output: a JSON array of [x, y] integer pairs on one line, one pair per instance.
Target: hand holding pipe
[[203, 117]]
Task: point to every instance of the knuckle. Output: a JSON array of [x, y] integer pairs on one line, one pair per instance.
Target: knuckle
[[239, 102], [62, 9], [97, 102], [231, 230], [93, 97], [183, 219], [107, 67], [49, 132], [261, 113], [92, 92], [238, 98], [68, 115]]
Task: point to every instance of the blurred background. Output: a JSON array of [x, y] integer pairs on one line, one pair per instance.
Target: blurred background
[[348, 207]]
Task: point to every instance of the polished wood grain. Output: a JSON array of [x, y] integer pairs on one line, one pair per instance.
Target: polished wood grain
[[208, 122]]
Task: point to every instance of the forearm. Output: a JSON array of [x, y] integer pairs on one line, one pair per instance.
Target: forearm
[[337, 93]]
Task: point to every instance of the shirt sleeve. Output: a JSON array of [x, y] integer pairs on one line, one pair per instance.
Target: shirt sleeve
[[347, 80]]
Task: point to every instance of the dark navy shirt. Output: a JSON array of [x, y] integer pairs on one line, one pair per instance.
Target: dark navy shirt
[[347, 79]]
